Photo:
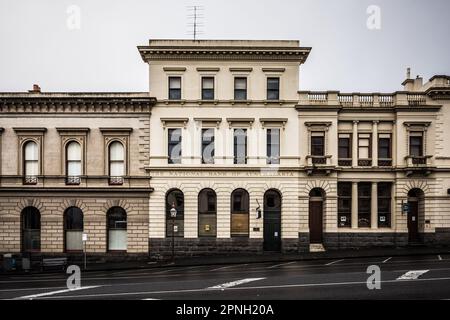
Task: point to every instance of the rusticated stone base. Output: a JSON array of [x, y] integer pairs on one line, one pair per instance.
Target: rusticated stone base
[[162, 247], [336, 241]]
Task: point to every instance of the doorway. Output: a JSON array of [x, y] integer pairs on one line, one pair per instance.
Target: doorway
[[316, 199], [272, 220]]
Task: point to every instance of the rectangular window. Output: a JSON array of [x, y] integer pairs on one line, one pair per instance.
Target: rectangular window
[[416, 144], [208, 146], [207, 88], [384, 204], [364, 151], [317, 143], [364, 204], [273, 88], [240, 146], [384, 150], [344, 146], [240, 88], [174, 146], [384, 146], [174, 88], [273, 146], [344, 204]]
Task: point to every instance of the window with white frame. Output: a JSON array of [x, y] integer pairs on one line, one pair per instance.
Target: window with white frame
[[273, 145], [31, 161], [73, 161]]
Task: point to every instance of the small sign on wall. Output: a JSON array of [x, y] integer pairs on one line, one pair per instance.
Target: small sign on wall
[[84, 237]]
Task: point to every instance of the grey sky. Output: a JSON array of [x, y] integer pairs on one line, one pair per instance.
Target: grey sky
[[38, 47]]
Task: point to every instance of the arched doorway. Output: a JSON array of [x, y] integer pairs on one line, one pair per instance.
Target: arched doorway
[[272, 220], [31, 229], [73, 229], [117, 229], [316, 199], [415, 205]]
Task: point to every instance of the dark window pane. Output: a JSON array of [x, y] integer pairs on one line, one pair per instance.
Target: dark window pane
[[174, 146], [175, 199], [416, 146], [74, 219], [344, 148], [240, 213], [273, 88], [317, 145], [240, 88], [174, 88], [364, 204], [384, 148], [273, 146], [344, 204], [207, 88], [208, 145], [384, 204], [117, 218], [240, 146]]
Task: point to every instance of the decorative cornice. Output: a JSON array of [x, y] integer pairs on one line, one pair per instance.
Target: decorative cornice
[[116, 129], [29, 129], [237, 69], [155, 53], [273, 69], [208, 69], [173, 69], [182, 121], [72, 129], [248, 121], [26, 103], [280, 121]]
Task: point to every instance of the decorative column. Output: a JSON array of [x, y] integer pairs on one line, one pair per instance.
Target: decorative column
[[375, 143], [355, 144], [394, 143], [374, 206], [354, 205]]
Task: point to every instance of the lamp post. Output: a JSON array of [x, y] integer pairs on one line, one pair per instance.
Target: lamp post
[[173, 215]]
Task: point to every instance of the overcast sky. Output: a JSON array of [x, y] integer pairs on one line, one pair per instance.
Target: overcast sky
[[41, 43]]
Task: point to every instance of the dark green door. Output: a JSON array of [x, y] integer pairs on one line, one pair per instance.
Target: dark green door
[[272, 221]]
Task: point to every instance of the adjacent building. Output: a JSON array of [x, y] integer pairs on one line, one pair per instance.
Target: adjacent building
[[224, 155]]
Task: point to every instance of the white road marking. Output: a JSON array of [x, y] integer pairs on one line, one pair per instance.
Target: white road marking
[[150, 299], [281, 264], [227, 267], [234, 283], [384, 261], [411, 275], [243, 288], [439, 257], [333, 262], [32, 296]]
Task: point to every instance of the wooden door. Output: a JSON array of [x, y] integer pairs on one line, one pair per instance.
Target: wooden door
[[315, 221]]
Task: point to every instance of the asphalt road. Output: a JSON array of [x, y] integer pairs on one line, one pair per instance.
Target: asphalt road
[[406, 277]]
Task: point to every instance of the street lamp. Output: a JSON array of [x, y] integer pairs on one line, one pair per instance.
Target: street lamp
[[173, 215]]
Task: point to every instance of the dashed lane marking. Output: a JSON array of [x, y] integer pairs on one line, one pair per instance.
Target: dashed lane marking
[[227, 267], [412, 275], [234, 283], [281, 265], [333, 262], [386, 260], [45, 294]]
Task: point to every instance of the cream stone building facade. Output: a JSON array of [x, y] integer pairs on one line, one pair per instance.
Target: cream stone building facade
[[74, 163], [224, 139]]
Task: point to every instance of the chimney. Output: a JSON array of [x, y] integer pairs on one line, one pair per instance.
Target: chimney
[[408, 73], [36, 89], [418, 83]]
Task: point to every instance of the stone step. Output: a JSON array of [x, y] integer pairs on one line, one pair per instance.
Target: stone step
[[316, 247]]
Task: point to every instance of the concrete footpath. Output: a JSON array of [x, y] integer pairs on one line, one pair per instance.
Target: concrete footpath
[[256, 258]]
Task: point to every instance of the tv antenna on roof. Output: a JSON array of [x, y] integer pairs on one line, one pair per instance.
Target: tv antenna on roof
[[195, 23]]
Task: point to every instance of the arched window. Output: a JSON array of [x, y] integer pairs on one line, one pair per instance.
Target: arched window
[[175, 200], [73, 227], [117, 229], [207, 213], [240, 213], [31, 229], [31, 162], [116, 162], [73, 162]]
